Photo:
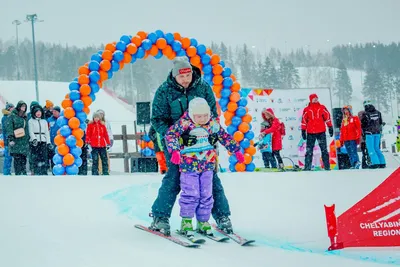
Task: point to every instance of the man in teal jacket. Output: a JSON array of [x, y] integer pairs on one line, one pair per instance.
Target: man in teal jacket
[[170, 102]]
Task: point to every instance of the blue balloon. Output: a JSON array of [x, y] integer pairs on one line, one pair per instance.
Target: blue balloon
[[96, 58], [152, 37], [133, 60], [159, 55], [140, 52], [146, 138], [58, 169], [250, 167], [75, 79], [147, 152], [227, 72], [201, 50], [232, 167], [126, 39], [94, 76], [226, 93], [76, 151], [94, 65], [83, 126], [222, 63], [236, 121], [100, 52], [176, 45], [208, 77], [251, 127], [81, 116], [62, 113], [94, 88], [65, 131], [193, 42], [121, 45], [57, 159], [72, 170], [61, 121], [169, 37], [78, 162], [146, 44], [223, 102], [114, 65], [181, 53], [231, 129], [207, 69], [74, 95], [224, 108], [93, 97], [242, 102], [74, 85], [78, 105], [249, 135], [118, 56], [160, 33], [245, 143], [210, 82], [233, 159], [205, 59], [241, 111], [110, 75], [71, 141], [227, 82]]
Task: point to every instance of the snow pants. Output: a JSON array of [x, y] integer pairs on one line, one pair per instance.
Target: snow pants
[[310, 143], [373, 142]]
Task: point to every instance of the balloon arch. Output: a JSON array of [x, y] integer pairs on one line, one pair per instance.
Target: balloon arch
[[115, 55]]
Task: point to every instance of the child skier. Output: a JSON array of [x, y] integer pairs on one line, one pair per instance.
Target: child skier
[[197, 163], [40, 141], [265, 147], [97, 138]]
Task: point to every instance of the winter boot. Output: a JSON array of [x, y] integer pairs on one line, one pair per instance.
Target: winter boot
[[382, 166], [161, 224], [187, 227], [357, 165], [204, 228], [224, 223], [374, 166]]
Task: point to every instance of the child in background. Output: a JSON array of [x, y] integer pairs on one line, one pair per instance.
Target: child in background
[[197, 163], [265, 147]]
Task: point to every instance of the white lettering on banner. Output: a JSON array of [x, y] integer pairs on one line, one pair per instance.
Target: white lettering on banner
[[386, 233], [380, 225]]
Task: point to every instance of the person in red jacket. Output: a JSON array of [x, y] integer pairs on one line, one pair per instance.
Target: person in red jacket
[[313, 128], [97, 138], [276, 130], [350, 134]]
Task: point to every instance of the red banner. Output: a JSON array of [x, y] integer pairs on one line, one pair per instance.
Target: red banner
[[375, 220]]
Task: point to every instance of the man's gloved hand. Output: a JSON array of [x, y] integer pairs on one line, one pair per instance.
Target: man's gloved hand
[[304, 134], [331, 131], [213, 139], [11, 143], [188, 140]]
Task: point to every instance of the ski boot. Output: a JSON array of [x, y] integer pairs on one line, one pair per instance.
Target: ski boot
[[161, 224], [224, 223], [204, 228], [281, 167], [187, 227]]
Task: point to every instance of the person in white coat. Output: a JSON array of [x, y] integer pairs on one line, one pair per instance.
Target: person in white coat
[[39, 137], [110, 136]]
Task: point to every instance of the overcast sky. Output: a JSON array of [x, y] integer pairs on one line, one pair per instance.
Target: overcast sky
[[259, 23]]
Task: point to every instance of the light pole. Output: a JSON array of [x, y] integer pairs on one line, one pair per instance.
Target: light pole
[[33, 18], [17, 23]]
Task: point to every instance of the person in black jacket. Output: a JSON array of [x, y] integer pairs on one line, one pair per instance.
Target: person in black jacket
[[371, 124]]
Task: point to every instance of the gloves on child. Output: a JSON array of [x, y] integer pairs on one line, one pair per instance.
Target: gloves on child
[[239, 156], [213, 139], [188, 140], [176, 157]]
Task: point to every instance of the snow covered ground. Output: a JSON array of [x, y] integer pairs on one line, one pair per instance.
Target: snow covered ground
[[88, 221]]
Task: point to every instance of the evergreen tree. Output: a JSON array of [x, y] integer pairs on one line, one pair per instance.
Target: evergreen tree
[[246, 66], [288, 75], [374, 89], [343, 89], [268, 75]]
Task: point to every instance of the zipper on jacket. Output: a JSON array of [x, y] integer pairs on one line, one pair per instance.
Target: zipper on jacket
[[40, 131]]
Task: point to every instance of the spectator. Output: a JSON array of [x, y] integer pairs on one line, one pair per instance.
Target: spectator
[[265, 147], [110, 136], [350, 133], [365, 160], [7, 157], [48, 109]]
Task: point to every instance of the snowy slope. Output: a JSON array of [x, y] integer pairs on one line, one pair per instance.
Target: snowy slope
[[88, 221]]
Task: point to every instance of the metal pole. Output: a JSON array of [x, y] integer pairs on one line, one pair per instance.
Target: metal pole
[[17, 23], [33, 18]]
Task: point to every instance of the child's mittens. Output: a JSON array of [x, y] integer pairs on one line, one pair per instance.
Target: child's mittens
[[176, 157], [239, 156]]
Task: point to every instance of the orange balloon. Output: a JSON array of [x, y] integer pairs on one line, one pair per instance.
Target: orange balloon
[[177, 36], [228, 122], [131, 48], [83, 79], [185, 43], [247, 118], [215, 59], [167, 51], [67, 96], [172, 56], [195, 60], [233, 77], [111, 47], [218, 95], [161, 43], [79, 143], [150, 145], [100, 84], [247, 158], [127, 57], [232, 106], [217, 69], [153, 51], [142, 145], [85, 89], [235, 87], [78, 132], [240, 167], [121, 65], [142, 34], [244, 127], [251, 150], [58, 132], [86, 100], [209, 51], [68, 159], [105, 64], [252, 142], [228, 115], [59, 140], [238, 136], [218, 79], [136, 40], [216, 90], [74, 123], [63, 149], [235, 97], [107, 55], [69, 113], [218, 87], [191, 51], [66, 103], [86, 110], [103, 75], [83, 70]]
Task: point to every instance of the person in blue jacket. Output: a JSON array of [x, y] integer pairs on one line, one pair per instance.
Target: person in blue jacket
[[53, 131]]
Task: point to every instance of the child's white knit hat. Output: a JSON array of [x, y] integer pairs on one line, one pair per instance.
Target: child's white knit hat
[[198, 106]]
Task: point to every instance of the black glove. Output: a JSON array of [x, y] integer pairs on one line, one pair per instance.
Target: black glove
[[34, 142], [304, 134], [331, 131], [188, 140], [213, 139]]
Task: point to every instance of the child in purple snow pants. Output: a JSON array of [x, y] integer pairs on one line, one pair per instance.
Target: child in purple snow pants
[[197, 163]]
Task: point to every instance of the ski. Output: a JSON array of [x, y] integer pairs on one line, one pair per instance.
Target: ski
[[170, 238], [191, 238], [235, 237], [215, 238]]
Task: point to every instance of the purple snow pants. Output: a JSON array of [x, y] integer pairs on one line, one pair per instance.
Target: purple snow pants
[[196, 195]]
